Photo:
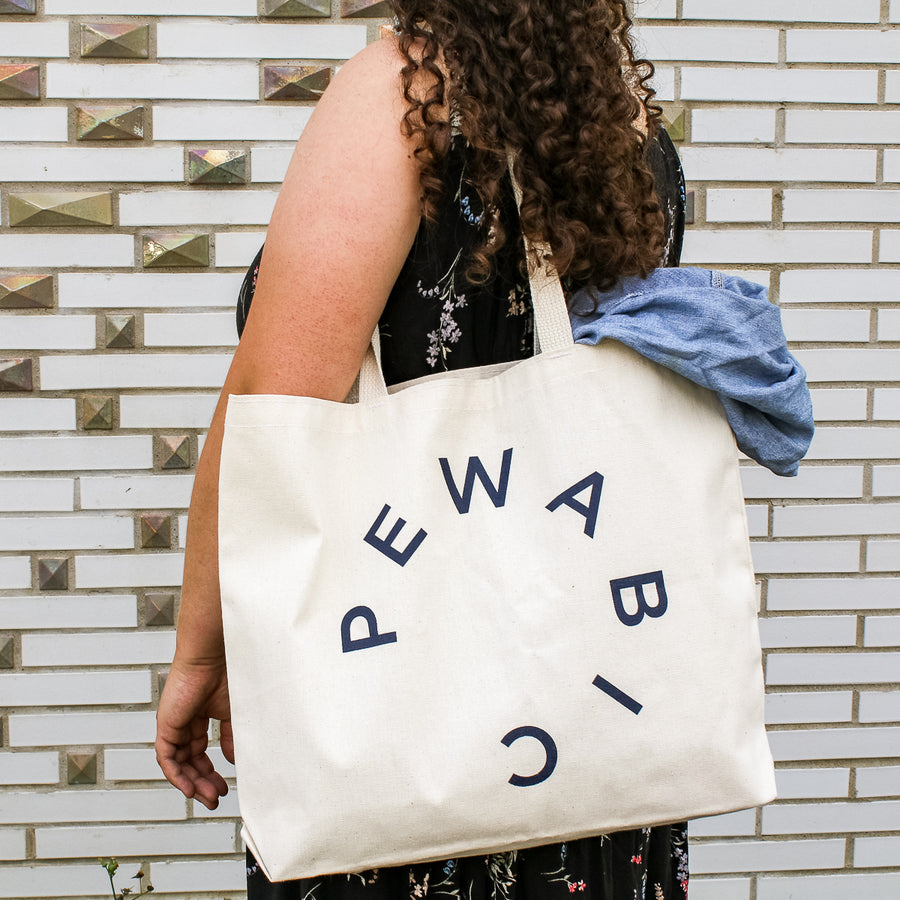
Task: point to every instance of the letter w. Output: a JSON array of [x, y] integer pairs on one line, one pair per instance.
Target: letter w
[[476, 468]]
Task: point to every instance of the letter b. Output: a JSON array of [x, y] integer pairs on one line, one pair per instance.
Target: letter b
[[637, 583]]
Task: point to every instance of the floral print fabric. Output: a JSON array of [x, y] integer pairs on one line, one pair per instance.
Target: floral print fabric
[[642, 864], [436, 321]]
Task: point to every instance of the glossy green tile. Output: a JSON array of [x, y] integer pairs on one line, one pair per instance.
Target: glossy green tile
[[7, 652], [675, 122], [68, 208], [174, 451], [26, 292], [295, 82], [120, 331], [18, 7], [20, 82], [16, 375], [217, 167], [53, 574], [370, 9], [156, 530], [81, 768], [109, 123], [97, 413], [175, 250], [115, 41], [298, 8], [159, 610]]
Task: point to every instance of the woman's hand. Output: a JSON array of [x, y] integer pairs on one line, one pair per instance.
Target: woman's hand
[[194, 694], [346, 217]]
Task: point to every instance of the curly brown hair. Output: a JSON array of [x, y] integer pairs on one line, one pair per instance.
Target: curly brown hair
[[557, 81]]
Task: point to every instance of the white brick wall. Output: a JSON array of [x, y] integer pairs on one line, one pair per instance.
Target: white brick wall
[[37, 39], [112, 570], [777, 85], [99, 290], [792, 126], [733, 125], [65, 164], [40, 454], [205, 40], [229, 123], [776, 11], [820, 126], [207, 207], [150, 7], [750, 164], [55, 612], [62, 251], [156, 840], [49, 730], [23, 123], [36, 494], [164, 81], [75, 689]]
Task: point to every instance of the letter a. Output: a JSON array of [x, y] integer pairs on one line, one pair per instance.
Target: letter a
[[594, 481], [386, 545], [476, 468]]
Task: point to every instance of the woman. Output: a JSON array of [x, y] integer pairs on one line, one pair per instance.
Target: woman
[[419, 232]]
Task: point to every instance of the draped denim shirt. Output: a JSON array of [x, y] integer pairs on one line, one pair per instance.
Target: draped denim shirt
[[722, 333]]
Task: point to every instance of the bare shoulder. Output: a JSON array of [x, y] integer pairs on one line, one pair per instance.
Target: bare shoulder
[[375, 70], [379, 67]]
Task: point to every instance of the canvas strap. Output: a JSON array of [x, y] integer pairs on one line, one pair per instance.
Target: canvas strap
[[552, 330]]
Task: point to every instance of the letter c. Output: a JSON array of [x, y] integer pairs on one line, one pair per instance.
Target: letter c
[[549, 748]]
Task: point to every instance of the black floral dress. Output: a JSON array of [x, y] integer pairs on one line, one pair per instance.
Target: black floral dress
[[435, 321]]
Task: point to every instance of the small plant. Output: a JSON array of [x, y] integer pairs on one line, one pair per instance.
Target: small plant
[[112, 866]]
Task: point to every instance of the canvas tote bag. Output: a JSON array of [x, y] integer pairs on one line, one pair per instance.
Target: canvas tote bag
[[487, 610]]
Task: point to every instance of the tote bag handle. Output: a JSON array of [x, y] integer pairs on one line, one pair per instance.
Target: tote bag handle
[[552, 330]]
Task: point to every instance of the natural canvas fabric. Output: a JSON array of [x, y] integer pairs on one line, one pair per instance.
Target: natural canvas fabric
[[489, 610]]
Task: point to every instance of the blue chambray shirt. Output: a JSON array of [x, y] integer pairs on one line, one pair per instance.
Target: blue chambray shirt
[[722, 333]]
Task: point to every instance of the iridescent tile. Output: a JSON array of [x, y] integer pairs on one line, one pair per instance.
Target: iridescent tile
[[53, 574], [176, 250], [16, 375], [20, 82], [26, 292], [174, 451], [97, 413], [69, 208], [386, 30], [295, 82], [370, 9], [298, 8], [18, 7], [156, 531], [120, 330], [115, 41], [675, 122], [161, 680], [217, 166], [81, 768], [109, 123], [7, 652], [690, 206], [159, 610]]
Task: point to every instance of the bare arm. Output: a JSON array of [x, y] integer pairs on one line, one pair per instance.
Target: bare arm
[[345, 220]]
